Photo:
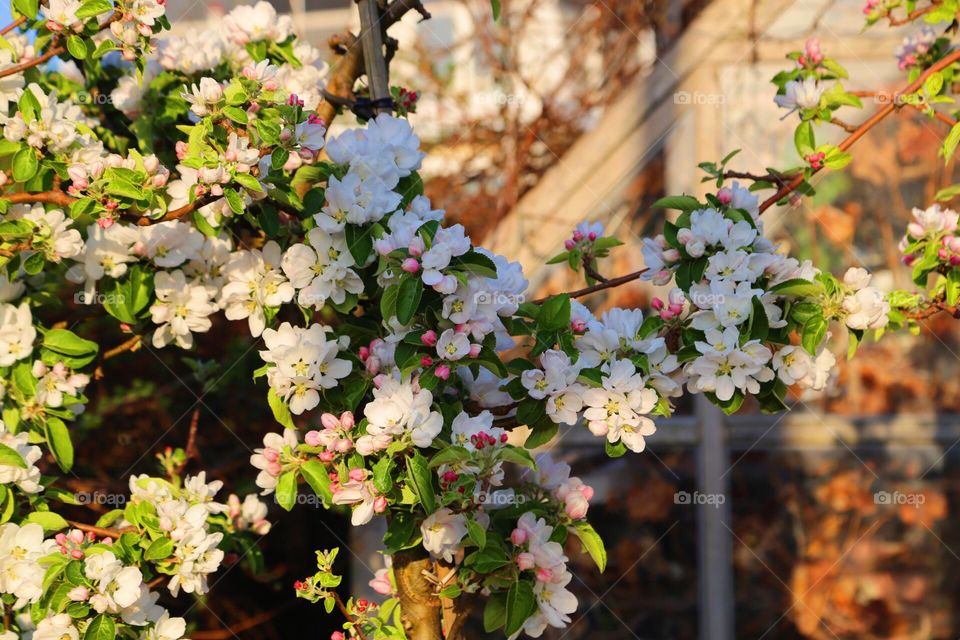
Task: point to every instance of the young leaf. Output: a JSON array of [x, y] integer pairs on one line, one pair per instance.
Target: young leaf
[[287, 490], [102, 628], [521, 604], [58, 439], [592, 543]]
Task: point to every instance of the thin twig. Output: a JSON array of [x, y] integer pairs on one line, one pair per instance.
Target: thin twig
[[13, 25], [871, 122], [101, 531]]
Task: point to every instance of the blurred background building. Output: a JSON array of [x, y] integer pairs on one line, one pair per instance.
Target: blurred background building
[[832, 520]]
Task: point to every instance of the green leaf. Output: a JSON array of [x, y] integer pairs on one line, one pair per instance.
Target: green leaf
[[950, 142], [281, 411], [495, 612], [101, 628], [236, 114], [316, 476], [759, 323], [159, 549], [799, 287], [521, 604], [77, 47], [359, 242], [421, 481], [803, 138], [125, 299], [49, 520], [68, 343], [10, 458], [681, 203], [952, 288], [382, 478], [286, 491], [34, 264], [592, 543], [14, 229], [948, 193], [518, 456], [248, 181], [234, 200], [933, 84], [554, 313], [477, 533], [58, 439], [92, 8], [408, 299], [28, 8], [495, 7], [25, 163], [813, 332]]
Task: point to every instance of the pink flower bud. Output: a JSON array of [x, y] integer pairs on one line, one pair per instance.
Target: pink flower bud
[[526, 561], [312, 438], [416, 247], [544, 575], [337, 635], [274, 468], [576, 506], [725, 196], [518, 536], [326, 456], [380, 504], [344, 445], [577, 236], [329, 421], [76, 554], [347, 420], [357, 474], [569, 244], [410, 265], [684, 236], [426, 361], [181, 148], [78, 594], [442, 371], [657, 304], [578, 326], [592, 236], [475, 350], [429, 338]]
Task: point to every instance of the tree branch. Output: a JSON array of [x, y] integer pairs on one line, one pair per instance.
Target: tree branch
[[349, 68], [101, 531], [871, 122], [58, 198], [13, 25]]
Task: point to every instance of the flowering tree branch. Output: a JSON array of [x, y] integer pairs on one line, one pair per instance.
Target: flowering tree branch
[[868, 124]]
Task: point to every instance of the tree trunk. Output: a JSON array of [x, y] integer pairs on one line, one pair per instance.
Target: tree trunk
[[419, 607]]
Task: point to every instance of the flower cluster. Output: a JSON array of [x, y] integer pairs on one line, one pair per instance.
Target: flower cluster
[[98, 580]]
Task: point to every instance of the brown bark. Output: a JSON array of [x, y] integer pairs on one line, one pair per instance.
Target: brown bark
[[419, 607], [349, 65]]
